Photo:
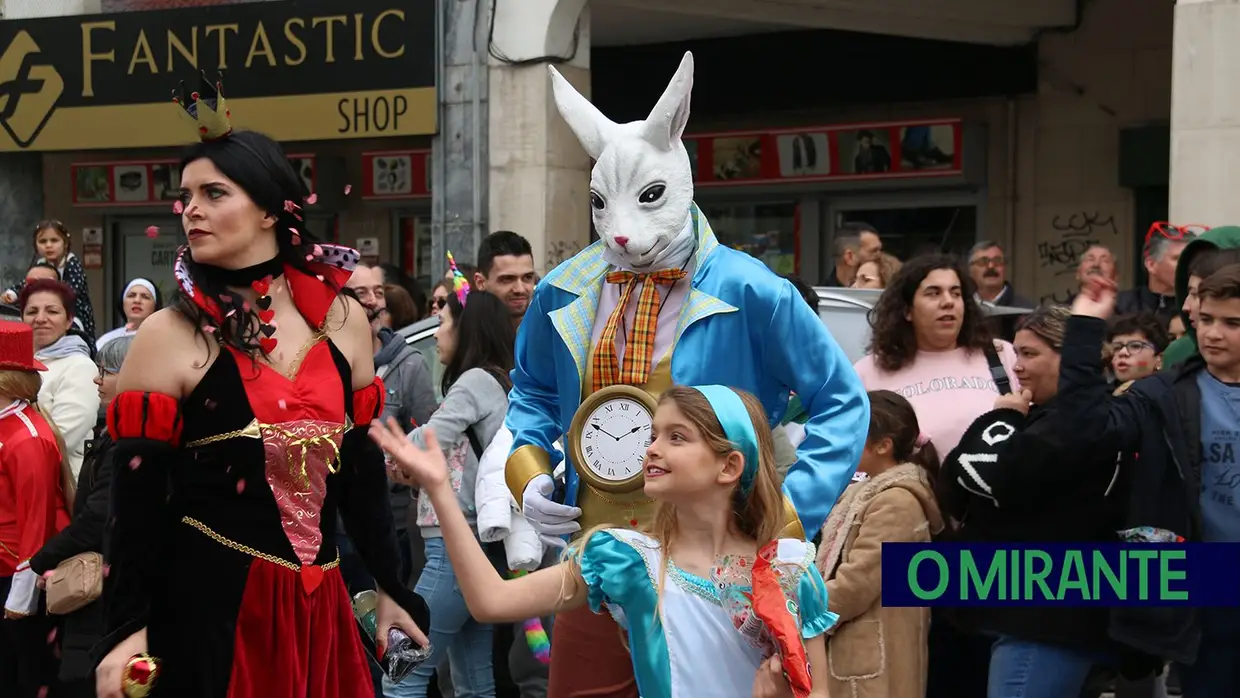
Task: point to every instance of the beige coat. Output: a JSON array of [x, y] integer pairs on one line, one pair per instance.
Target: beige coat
[[876, 652]]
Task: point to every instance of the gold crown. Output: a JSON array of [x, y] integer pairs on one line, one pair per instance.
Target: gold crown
[[206, 108]]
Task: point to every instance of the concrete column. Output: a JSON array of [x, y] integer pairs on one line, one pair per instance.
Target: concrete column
[[539, 176], [459, 149], [1205, 113], [21, 207]]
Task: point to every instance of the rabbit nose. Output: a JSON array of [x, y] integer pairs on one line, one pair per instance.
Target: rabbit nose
[[622, 241]]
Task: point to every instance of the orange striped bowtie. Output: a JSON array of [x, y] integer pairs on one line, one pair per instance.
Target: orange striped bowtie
[[639, 345]]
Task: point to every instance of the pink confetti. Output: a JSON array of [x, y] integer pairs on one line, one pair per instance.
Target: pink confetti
[[178, 207], [106, 570], [135, 462], [240, 486], [245, 305], [226, 298], [51, 637], [42, 692], [319, 277], [152, 232], [49, 574], [318, 251], [231, 312], [209, 404], [283, 405], [209, 329], [290, 206], [348, 188], [309, 258], [296, 238], [312, 199]]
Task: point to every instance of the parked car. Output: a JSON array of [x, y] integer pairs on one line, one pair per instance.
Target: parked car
[[844, 311]]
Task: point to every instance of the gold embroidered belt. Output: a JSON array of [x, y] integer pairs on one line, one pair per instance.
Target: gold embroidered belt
[[242, 548], [255, 430]]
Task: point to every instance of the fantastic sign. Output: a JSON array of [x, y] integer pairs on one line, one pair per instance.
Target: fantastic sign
[[299, 70]]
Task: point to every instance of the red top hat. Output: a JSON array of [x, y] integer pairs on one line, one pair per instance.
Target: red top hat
[[17, 347]]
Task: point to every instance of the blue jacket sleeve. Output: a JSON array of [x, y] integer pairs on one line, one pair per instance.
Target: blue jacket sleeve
[[802, 355], [533, 403]]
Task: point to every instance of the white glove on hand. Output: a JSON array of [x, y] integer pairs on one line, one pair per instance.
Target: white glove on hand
[[549, 519], [23, 599]]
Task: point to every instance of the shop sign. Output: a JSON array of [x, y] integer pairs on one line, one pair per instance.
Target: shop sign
[[890, 150], [396, 174], [300, 70], [144, 183]]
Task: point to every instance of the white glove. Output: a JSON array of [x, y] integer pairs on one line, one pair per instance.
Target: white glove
[[23, 599], [549, 519]]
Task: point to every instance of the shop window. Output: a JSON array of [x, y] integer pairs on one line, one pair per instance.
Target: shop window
[[909, 232], [768, 231], [415, 248]]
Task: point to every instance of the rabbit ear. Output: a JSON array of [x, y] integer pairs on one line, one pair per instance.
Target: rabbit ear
[[667, 121], [586, 121]]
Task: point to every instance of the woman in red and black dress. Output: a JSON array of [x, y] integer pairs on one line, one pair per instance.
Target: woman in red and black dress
[[240, 428]]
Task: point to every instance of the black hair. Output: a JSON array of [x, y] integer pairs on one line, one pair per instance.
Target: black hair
[[501, 243], [1145, 324], [45, 265], [807, 292], [485, 338], [393, 274], [258, 165], [893, 341], [892, 417]]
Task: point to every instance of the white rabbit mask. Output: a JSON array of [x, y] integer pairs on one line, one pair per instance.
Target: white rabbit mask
[[641, 186]]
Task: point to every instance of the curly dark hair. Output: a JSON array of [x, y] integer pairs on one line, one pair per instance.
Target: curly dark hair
[[893, 341]]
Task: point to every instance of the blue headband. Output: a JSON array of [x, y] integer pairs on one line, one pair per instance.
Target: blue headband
[[733, 416]]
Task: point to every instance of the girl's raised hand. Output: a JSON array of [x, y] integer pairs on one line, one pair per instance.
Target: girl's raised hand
[[410, 463]]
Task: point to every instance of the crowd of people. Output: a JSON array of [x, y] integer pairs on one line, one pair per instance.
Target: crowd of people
[[191, 503]]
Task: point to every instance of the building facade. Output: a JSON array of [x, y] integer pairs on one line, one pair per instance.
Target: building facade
[[1046, 126]]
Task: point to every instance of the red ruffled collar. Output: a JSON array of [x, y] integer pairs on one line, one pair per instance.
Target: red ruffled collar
[[312, 293]]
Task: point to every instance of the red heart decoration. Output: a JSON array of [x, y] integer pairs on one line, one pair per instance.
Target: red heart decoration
[[267, 344], [264, 316], [311, 577], [262, 286]]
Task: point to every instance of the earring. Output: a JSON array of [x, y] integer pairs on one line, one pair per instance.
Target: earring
[[266, 316]]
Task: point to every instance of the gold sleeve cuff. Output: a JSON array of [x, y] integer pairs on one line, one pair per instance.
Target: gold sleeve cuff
[[522, 466], [792, 526]]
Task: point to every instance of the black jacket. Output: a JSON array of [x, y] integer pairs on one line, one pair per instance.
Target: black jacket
[[1157, 423], [84, 627], [1143, 300], [1012, 479]]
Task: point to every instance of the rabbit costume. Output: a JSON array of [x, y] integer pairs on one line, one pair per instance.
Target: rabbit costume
[[657, 301]]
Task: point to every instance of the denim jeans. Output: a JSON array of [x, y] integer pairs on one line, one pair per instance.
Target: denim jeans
[[1022, 669], [1216, 673], [454, 635]]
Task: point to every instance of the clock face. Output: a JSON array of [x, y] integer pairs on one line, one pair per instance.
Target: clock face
[[614, 439]]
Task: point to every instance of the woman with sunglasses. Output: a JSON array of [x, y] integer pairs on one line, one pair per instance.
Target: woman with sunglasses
[[439, 297]]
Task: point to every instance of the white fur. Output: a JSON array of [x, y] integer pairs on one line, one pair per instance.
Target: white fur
[[629, 160]]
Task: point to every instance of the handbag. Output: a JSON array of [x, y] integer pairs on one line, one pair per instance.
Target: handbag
[[75, 583]]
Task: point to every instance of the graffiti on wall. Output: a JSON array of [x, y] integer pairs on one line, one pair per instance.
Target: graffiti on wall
[[1061, 244]]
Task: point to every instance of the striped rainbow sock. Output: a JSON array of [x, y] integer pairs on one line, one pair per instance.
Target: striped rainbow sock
[[535, 634]]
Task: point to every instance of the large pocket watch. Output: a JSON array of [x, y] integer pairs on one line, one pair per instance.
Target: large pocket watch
[[608, 438]]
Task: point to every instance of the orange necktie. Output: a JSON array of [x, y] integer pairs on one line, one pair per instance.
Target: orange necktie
[[639, 345]]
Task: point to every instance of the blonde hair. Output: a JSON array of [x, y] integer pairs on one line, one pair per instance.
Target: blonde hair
[[25, 385], [759, 514], [888, 265]]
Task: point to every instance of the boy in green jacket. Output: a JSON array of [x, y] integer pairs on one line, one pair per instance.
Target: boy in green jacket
[[1214, 249]]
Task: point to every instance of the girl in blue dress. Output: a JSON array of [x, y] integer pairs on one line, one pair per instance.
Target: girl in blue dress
[[712, 602]]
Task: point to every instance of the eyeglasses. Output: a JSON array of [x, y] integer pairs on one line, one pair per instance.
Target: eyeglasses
[[1132, 346], [438, 303], [1174, 232]]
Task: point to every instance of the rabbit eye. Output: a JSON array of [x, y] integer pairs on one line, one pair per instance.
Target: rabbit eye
[[597, 201], [652, 193]]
